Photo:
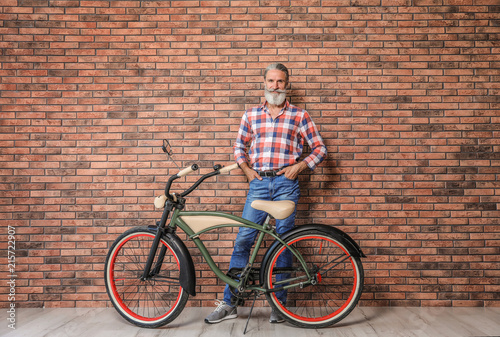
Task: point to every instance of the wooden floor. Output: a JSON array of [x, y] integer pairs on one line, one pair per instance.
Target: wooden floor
[[365, 321]]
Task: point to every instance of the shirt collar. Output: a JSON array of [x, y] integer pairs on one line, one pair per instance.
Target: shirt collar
[[266, 110]]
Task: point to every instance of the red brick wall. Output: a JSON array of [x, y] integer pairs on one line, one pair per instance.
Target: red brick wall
[[405, 94]]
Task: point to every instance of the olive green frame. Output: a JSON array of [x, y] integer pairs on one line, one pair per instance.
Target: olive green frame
[[176, 221]]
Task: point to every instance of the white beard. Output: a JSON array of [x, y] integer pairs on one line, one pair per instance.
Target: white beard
[[275, 99]]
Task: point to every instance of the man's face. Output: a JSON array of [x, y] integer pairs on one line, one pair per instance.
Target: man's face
[[275, 86]]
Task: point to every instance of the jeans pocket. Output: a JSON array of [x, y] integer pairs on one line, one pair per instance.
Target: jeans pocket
[[287, 179]]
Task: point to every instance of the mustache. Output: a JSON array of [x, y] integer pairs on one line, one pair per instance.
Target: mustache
[[276, 90]]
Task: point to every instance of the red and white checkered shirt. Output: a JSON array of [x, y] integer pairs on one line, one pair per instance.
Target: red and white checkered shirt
[[277, 143]]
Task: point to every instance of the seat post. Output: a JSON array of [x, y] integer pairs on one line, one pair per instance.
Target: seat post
[[266, 223]]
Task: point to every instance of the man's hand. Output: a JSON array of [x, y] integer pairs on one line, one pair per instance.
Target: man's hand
[[250, 173], [293, 171]]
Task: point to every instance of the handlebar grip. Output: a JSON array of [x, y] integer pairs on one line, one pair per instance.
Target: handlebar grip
[[229, 168], [187, 170]]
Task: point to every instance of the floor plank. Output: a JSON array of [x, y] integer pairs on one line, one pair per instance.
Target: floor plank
[[365, 321]]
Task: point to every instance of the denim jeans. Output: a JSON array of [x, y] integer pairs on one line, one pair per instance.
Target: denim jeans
[[269, 188]]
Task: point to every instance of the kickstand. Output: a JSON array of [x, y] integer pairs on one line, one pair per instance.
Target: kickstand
[[250, 314]]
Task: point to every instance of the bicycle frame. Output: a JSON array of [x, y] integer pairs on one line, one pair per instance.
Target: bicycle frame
[[227, 220], [177, 221]]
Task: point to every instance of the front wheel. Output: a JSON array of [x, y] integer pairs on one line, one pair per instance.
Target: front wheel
[[321, 294], [151, 302]]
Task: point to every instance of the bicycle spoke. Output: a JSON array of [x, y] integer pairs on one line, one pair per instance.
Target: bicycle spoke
[[167, 280], [345, 258]]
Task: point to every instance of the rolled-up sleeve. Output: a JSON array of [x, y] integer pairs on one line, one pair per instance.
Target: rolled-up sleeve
[[242, 139], [310, 133]]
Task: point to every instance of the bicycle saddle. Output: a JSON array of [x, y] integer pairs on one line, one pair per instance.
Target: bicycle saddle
[[280, 209]]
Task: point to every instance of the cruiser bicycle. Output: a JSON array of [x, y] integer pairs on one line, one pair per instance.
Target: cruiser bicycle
[[149, 272]]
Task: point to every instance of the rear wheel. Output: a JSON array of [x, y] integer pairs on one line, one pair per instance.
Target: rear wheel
[[152, 302], [329, 294]]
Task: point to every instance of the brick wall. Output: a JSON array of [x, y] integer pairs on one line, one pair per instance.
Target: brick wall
[[405, 94]]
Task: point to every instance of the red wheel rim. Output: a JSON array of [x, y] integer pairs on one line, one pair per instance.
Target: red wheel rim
[[316, 319], [115, 291]]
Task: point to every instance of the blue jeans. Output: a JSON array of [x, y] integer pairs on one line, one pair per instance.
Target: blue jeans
[[269, 188]]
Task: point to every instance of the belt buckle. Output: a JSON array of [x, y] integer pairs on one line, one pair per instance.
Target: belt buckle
[[269, 173]]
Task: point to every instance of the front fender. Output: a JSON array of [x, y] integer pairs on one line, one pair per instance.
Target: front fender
[[187, 277], [187, 274]]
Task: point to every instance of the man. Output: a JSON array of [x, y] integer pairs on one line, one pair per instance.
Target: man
[[275, 131]]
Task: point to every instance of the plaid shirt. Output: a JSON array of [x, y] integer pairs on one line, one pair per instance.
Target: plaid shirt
[[278, 143]]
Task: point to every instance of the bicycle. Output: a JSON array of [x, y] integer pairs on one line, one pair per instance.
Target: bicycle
[[149, 272]]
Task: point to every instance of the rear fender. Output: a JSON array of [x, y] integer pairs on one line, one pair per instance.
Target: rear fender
[[351, 245]]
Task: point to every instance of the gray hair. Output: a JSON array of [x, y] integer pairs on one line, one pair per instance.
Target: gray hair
[[277, 66]]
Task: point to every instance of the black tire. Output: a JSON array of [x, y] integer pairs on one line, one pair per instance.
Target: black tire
[[338, 278], [146, 303]]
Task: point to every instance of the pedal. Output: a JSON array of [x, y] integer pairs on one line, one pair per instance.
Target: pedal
[[234, 273]]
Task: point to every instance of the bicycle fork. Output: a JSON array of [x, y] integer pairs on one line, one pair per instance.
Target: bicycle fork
[[154, 247]]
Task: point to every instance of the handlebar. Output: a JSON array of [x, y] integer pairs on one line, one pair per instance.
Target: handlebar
[[218, 169], [228, 169], [187, 170]]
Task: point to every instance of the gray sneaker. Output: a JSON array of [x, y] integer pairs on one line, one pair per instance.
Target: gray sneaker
[[275, 317], [222, 312]]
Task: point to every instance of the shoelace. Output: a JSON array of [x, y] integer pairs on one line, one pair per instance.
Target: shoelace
[[219, 305]]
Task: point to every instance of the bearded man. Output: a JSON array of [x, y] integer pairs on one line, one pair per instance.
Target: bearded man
[[268, 150]]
